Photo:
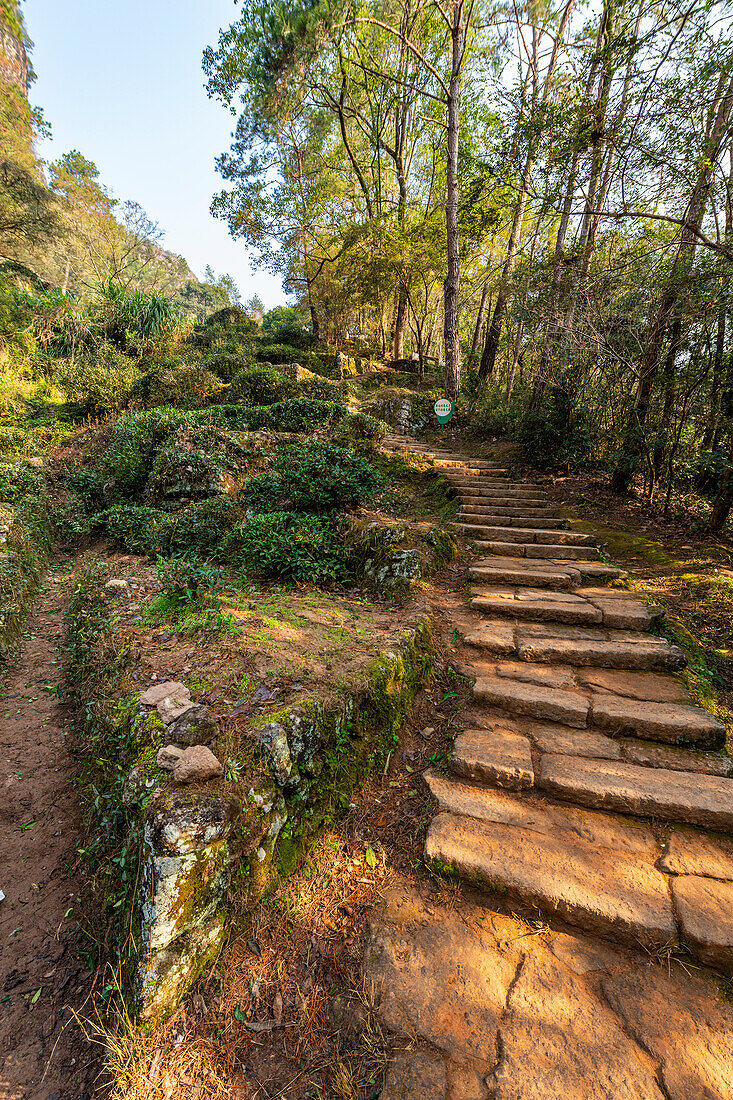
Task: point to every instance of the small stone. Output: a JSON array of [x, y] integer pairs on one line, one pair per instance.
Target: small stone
[[154, 694], [116, 584], [197, 726], [197, 764], [174, 706], [168, 757]]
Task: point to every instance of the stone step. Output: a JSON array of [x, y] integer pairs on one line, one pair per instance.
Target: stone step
[[665, 722], [692, 799], [528, 571], [603, 649], [485, 486], [499, 499], [524, 522], [574, 611], [469, 465], [508, 494], [523, 510], [610, 894], [532, 534], [533, 700], [535, 605], [512, 549]]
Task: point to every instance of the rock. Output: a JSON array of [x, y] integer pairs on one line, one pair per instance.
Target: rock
[[157, 692], [624, 897], [646, 686], [196, 726], [438, 977], [274, 741], [494, 636], [173, 706], [181, 824], [558, 1040], [582, 955], [658, 721], [567, 741], [705, 912], [168, 756], [466, 1082], [601, 830], [688, 853], [196, 765], [685, 1025], [693, 799], [497, 756], [655, 754], [533, 701], [116, 584], [415, 1075]]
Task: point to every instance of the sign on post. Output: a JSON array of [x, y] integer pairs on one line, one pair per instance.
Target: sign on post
[[444, 409]]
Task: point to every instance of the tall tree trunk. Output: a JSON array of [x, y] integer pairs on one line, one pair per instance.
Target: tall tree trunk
[[493, 335], [724, 500], [716, 133], [480, 317], [452, 279]]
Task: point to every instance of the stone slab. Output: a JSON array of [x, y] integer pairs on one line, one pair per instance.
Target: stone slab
[[456, 796], [543, 609], [498, 756], [705, 912], [658, 721], [494, 636], [694, 799], [572, 742], [558, 1040], [533, 700], [436, 977], [690, 853], [611, 654], [158, 692], [512, 574], [684, 1024], [654, 754], [625, 898], [650, 687], [415, 1075]]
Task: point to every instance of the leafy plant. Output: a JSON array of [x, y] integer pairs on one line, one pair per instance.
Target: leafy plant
[[315, 476], [289, 546]]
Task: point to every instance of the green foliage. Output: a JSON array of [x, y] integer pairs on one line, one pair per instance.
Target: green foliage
[[260, 386], [184, 580], [289, 546], [98, 380], [183, 385], [361, 432], [314, 476]]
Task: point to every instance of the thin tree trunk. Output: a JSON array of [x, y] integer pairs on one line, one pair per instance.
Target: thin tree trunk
[[479, 320], [452, 279]]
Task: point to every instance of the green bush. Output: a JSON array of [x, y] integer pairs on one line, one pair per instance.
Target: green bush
[[185, 580], [558, 433], [260, 386], [314, 476], [139, 529], [198, 530], [289, 546], [182, 385], [98, 380], [361, 431]]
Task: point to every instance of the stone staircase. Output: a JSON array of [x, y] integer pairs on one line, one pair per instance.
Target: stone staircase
[[587, 785]]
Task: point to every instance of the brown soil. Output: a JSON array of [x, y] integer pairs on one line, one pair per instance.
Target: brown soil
[[46, 985]]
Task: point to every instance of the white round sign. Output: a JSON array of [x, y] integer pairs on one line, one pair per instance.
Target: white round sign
[[442, 407]]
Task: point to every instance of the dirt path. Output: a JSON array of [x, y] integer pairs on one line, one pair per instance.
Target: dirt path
[[44, 977]]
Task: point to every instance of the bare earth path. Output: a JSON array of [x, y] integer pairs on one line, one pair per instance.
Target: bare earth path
[[43, 977], [588, 810]]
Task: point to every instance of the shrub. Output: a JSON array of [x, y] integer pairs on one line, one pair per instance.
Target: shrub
[[98, 381], [558, 433], [184, 580], [288, 546], [361, 431], [260, 386], [314, 476], [183, 385], [142, 530]]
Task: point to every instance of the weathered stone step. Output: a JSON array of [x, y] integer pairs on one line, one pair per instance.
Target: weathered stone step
[[523, 510], [533, 700], [596, 647], [665, 722], [470, 465], [573, 610], [532, 534], [695, 799], [511, 549], [624, 897], [485, 486], [528, 571], [509, 494], [523, 522]]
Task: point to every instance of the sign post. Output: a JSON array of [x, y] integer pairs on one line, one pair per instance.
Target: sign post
[[444, 410]]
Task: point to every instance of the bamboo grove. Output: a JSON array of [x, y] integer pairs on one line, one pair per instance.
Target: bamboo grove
[[536, 195]]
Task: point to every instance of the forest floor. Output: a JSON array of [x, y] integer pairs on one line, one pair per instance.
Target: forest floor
[[47, 977]]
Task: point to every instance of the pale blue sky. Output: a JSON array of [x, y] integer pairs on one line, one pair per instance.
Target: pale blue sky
[[123, 84]]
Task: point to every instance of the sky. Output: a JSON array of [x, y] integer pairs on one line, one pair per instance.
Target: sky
[[123, 84]]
